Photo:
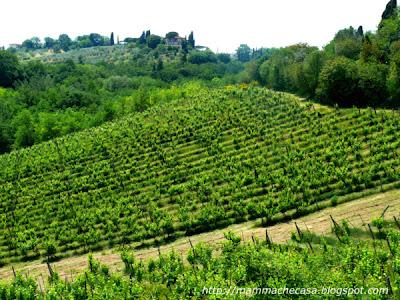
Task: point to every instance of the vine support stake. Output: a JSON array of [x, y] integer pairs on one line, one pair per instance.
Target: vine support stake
[[191, 246], [15, 274], [389, 285], [335, 228], [371, 232], [268, 239], [298, 231], [396, 221], [384, 211], [389, 246], [49, 268]]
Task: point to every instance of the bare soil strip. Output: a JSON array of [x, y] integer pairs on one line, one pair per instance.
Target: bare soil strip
[[358, 213]]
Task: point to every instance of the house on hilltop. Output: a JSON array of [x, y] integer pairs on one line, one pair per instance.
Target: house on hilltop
[[174, 40], [15, 46]]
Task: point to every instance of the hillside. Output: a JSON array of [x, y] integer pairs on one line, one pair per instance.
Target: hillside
[[213, 158], [116, 54]]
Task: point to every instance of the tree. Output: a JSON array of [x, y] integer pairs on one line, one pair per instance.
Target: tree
[[65, 42], [9, 69], [393, 80], [370, 51], [32, 44], [224, 58], [338, 83], [389, 10], [360, 31], [142, 39], [243, 53], [96, 39], [153, 41], [129, 40], [160, 65], [191, 41], [112, 39], [349, 47], [49, 42], [199, 57], [25, 132], [312, 67], [172, 35], [372, 84]]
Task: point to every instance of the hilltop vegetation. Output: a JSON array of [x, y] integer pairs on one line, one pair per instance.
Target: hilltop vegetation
[[215, 157], [64, 85], [87, 87], [354, 69]]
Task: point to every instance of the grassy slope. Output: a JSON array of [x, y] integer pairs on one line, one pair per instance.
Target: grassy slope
[[215, 158]]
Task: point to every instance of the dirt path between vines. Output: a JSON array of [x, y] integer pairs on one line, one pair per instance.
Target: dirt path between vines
[[357, 213]]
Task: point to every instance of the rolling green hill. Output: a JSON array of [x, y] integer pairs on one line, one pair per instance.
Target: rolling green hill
[[215, 157]]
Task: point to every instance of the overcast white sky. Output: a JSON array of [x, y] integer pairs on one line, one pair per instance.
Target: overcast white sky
[[220, 24]]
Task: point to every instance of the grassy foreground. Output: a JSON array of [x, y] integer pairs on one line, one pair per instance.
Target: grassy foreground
[[311, 267]]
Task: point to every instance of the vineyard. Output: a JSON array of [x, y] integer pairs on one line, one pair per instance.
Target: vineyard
[[213, 158], [352, 263]]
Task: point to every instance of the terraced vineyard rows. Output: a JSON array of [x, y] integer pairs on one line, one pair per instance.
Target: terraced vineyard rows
[[209, 160]]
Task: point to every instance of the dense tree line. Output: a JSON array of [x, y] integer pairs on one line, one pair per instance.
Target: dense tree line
[[39, 101], [65, 43], [355, 68]]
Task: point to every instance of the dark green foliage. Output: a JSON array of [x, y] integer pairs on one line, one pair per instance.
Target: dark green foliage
[[171, 35], [112, 39], [10, 71], [224, 57], [31, 44], [372, 84], [96, 39], [390, 9], [25, 131], [191, 40], [142, 38], [153, 41], [243, 53], [338, 82], [202, 57], [49, 43], [347, 83], [65, 42], [355, 68], [360, 31]]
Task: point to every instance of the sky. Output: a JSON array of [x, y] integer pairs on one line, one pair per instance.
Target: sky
[[221, 25]]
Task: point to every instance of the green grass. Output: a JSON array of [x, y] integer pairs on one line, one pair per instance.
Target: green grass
[[214, 158]]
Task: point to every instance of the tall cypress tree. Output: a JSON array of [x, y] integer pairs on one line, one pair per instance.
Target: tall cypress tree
[[191, 40], [390, 9], [112, 39], [360, 31], [142, 39]]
